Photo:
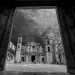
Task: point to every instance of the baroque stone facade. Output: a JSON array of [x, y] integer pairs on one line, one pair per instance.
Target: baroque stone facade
[[33, 52]]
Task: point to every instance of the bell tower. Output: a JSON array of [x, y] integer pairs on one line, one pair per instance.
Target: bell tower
[[18, 51], [48, 49]]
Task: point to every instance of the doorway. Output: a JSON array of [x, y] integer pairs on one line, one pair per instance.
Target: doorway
[[33, 58]]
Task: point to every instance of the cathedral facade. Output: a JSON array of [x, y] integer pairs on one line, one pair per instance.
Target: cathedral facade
[[33, 53]]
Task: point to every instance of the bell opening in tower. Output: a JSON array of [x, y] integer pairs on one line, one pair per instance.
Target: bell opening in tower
[[35, 40]]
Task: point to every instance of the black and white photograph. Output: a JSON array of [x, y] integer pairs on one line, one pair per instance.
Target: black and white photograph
[[37, 37], [35, 41]]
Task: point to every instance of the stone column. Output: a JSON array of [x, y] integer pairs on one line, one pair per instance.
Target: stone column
[[27, 59], [57, 54], [47, 56], [40, 59], [51, 54]]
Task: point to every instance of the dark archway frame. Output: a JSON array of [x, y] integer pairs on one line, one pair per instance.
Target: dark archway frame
[[63, 15]]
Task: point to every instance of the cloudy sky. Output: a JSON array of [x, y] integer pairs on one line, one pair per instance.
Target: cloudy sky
[[34, 24]]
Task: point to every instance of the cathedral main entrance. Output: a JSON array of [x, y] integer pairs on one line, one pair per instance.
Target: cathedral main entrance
[[33, 59]]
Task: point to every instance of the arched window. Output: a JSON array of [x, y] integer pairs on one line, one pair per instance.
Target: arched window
[[48, 49]]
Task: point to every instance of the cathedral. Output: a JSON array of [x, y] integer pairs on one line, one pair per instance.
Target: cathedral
[[33, 53]]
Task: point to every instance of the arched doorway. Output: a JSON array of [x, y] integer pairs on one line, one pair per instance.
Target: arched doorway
[[33, 58]]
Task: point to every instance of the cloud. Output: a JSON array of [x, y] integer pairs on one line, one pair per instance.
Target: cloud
[[34, 24]]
